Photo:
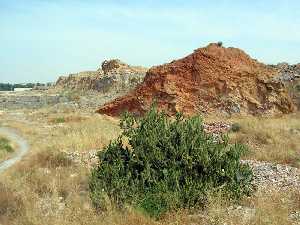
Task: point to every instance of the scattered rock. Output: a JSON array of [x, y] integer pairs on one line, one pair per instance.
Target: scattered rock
[[289, 75], [267, 175], [216, 127], [295, 216], [286, 72], [113, 64], [88, 158]]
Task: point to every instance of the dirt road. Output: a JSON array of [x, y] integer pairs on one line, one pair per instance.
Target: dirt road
[[22, 144]]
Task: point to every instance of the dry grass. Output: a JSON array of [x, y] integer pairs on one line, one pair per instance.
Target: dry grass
[[66, 119], [93, 133], [273, 207], [271, 139]]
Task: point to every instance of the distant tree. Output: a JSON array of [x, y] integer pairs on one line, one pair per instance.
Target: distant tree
[[6, 87]]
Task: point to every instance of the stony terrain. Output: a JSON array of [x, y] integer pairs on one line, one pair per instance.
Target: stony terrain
[[289, 75], [268, 175], [212, 79], [113, 76], [286, 72]]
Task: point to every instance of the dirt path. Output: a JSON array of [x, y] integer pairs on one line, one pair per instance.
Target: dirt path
[[22, 144]]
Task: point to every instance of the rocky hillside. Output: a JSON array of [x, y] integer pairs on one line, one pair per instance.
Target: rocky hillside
[[289, 75], [286, 72], [211, 79], [113, 75]]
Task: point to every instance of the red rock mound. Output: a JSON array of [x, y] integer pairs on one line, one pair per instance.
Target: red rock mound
[[212, 79]]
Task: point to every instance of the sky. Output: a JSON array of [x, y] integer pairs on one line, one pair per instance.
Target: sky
[[41, 40]]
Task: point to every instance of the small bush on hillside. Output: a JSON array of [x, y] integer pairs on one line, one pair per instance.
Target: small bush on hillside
[[235, 127], [168, 164], [59, 120]]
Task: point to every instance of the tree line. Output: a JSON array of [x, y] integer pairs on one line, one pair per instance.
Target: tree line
[[11, 87]]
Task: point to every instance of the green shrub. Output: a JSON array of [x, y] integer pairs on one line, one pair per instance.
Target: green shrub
[[235, 127], [5, 145], [168, 164], [60, 120]]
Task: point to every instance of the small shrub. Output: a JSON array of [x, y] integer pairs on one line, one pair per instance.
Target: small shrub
[[5, 145], [235, 127], [220, 43], [168, 164], [59, 120]]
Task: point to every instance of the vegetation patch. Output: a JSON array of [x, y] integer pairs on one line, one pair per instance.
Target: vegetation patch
[[166, 165], [66, 119], [272, 139], [235, 127], [5, 147]]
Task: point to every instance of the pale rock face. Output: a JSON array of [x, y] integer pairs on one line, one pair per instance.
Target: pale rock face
[[114, 75]]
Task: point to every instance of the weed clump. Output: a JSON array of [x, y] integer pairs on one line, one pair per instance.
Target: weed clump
[[5, 145], [235, 127], [59, 120], [167, 164]]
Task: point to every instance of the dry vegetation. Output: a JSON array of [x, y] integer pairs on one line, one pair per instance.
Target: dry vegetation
[[48, 188], [271, 139]]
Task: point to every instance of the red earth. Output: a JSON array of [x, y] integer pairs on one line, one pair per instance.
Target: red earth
[[211, 79]]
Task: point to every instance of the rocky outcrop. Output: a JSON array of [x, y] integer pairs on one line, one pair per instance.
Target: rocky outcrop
[[289, 75], [286, 72], [113, 75], [84, 80], [212, 79]]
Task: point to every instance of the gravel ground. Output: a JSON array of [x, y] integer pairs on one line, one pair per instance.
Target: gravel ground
[[276, 175]]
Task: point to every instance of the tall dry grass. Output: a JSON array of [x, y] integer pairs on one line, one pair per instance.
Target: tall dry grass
[[93, 133], [274, 139]]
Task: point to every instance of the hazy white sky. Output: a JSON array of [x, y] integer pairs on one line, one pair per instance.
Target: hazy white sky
[[43, 39]]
